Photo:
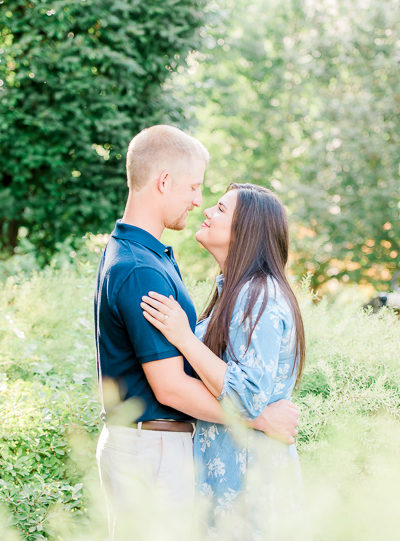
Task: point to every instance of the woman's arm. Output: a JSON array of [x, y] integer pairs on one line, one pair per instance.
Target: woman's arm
[[248, 383], [209, 367]]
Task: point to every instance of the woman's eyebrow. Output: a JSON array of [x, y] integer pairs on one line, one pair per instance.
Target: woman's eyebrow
[[222, 204]]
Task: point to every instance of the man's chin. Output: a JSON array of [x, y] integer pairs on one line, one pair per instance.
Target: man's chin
[[177, 226]]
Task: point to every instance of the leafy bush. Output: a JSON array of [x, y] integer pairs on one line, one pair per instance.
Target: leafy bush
[[79, 78], [47, 392]]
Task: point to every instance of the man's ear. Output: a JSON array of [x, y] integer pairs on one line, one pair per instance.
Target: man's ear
[[162, 181]]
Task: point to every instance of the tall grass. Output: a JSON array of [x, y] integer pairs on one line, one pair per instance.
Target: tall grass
[[349, 398]]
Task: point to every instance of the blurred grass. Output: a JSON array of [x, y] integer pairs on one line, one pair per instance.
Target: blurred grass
[[349, 398]]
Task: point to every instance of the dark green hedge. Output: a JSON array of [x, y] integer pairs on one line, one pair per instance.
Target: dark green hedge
[[78, 79]]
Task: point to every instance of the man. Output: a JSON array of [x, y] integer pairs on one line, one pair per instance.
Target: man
[[165, 170]]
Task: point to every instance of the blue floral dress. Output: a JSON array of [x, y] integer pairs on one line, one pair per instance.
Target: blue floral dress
[[263, 375]]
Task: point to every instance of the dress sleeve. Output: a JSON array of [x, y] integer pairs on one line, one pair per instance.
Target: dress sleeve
[[249, 383]]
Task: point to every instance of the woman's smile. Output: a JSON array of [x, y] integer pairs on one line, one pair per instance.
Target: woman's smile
[[215, 232]]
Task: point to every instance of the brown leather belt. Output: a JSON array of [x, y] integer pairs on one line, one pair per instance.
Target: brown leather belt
[[166, 426]]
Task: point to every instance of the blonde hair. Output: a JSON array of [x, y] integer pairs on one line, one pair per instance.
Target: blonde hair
[[160, 148]]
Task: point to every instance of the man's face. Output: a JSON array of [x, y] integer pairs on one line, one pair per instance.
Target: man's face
[[184, 194]]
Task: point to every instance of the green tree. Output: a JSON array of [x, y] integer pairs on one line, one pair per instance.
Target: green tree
[[303, 97], [78, 79]]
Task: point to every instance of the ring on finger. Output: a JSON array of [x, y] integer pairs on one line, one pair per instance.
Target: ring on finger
[[165, 317]]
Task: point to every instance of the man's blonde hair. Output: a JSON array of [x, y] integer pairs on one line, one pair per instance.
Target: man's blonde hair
[[160, 148]]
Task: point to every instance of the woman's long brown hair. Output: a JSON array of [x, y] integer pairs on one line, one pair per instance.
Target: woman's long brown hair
[[258, 248]]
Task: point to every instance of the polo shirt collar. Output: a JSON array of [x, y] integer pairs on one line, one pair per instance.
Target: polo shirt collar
[[125, 231]]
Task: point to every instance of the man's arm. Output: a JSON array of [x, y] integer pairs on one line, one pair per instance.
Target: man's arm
[[172, 387]]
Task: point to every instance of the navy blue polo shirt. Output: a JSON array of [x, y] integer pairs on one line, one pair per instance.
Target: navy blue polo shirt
[[134, 263]]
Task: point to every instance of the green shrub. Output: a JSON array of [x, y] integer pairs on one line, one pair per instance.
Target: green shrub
[[47, 392], [78, 79]]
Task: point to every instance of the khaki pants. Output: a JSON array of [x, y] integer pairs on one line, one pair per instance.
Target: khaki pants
[[148, 479]]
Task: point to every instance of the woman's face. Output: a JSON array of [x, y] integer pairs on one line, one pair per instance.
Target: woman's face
[[215, 232]]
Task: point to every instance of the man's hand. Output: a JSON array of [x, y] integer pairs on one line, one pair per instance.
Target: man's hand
[[279, 420]]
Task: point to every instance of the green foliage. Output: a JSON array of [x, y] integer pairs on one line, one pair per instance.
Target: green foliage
[[303, 97], [352, 368], [77, 80], [47, 393]]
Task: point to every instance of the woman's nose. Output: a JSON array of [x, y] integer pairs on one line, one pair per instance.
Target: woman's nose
[[207, 213]]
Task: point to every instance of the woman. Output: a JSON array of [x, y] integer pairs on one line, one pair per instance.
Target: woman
[[249, 346]]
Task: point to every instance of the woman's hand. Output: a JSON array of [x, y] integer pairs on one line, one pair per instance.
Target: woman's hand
[[166, 315]]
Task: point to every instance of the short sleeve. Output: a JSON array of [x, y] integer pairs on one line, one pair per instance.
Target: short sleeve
[[148, 343], [249, 383]]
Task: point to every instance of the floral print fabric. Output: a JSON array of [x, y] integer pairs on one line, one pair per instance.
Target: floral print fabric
[[256, 376]]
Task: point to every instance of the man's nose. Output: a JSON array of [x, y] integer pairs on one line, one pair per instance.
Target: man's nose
[[197, 200]]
